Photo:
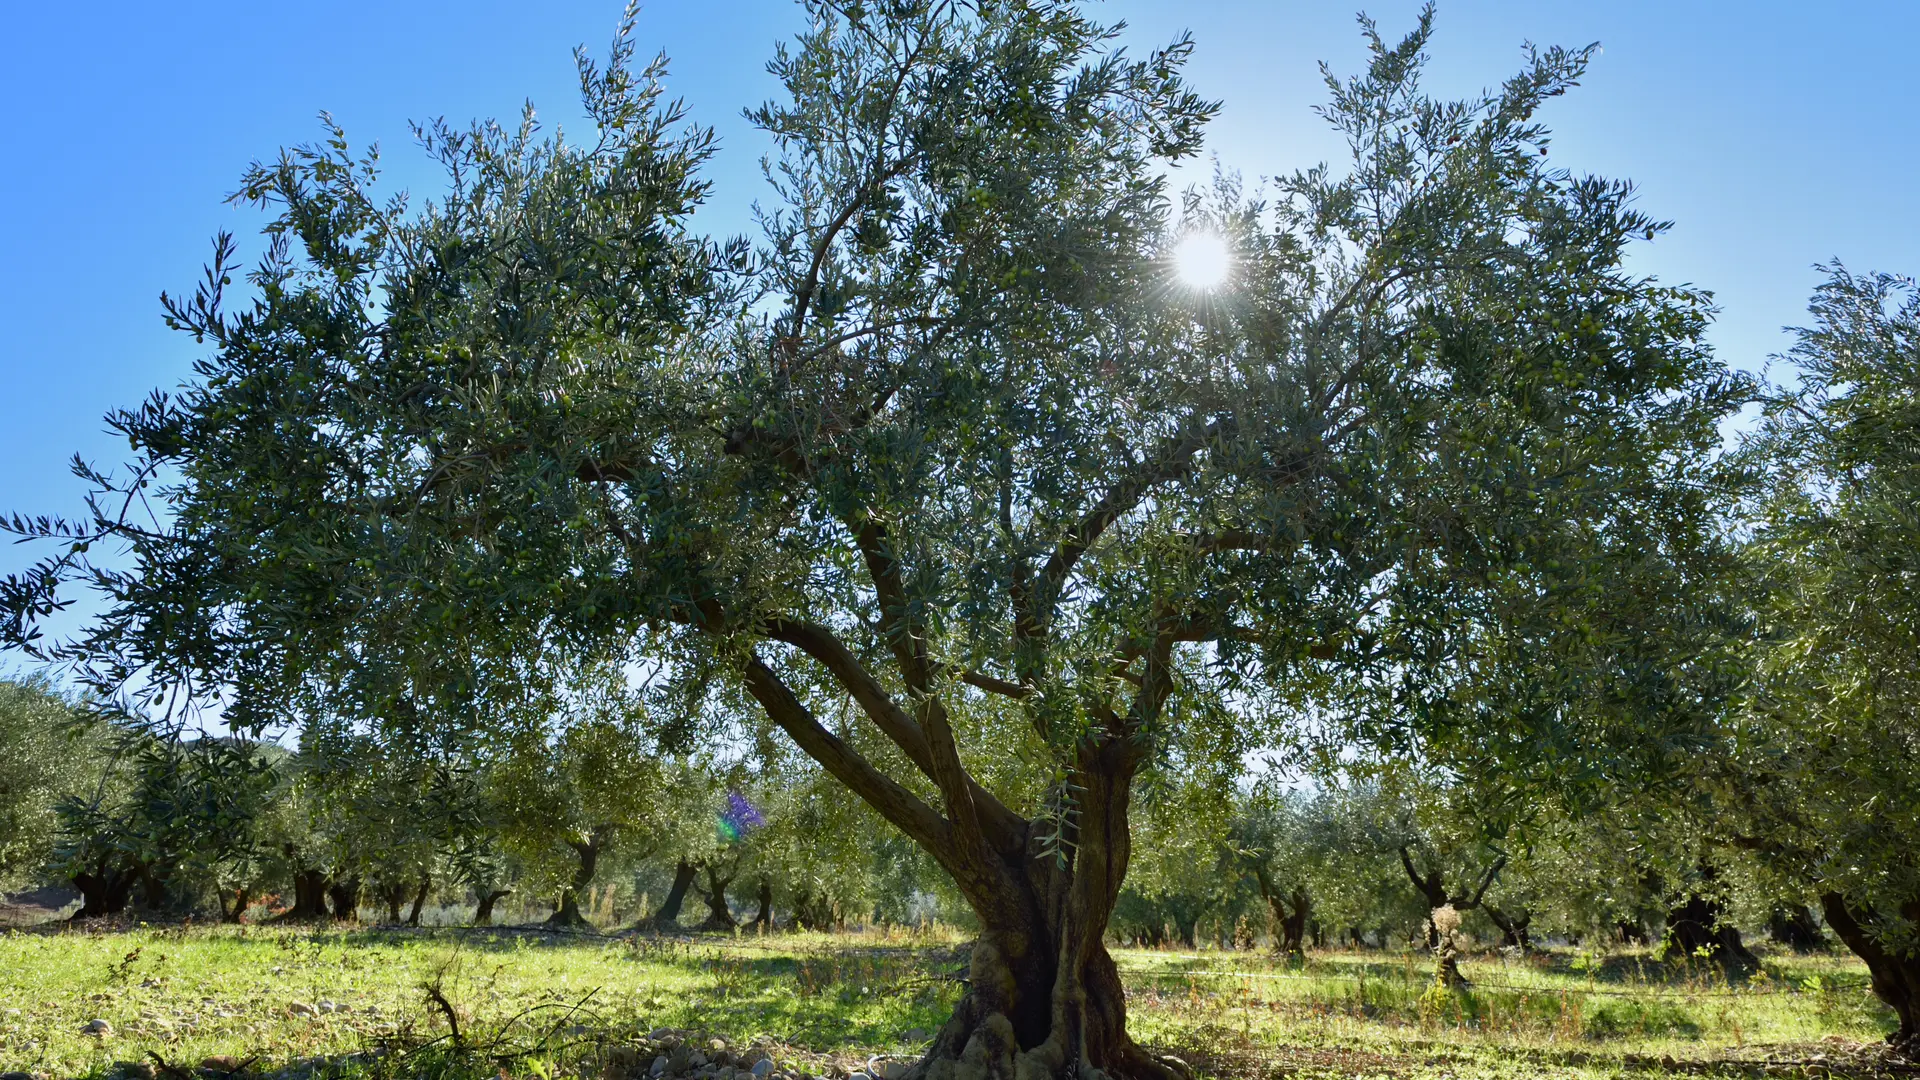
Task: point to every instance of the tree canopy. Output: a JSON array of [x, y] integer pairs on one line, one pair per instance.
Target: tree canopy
[[949, 450]]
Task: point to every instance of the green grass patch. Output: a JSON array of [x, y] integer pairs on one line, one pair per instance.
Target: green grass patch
[[550, 1005]]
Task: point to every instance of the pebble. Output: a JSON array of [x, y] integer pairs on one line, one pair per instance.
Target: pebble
[[98, 1027], [659, 1066], [221, 1063], [762, 1067], [697, 1059], [301, 1008], [659, 1034]]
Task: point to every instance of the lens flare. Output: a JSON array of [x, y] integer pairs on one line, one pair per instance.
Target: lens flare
[[1203, 260], [738, 819]]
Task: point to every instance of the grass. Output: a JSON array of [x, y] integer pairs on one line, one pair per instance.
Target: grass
[[551, 1004]]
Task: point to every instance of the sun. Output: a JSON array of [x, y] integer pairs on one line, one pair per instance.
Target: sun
[[1202, 260]]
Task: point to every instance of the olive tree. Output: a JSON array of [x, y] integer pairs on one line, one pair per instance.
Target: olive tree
[[954, 443], [1825, 783], [46, 748]]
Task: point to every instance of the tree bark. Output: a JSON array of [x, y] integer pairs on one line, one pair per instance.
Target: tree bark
[[419, 901], [1044, 996], [668, 917], [1895, 977]]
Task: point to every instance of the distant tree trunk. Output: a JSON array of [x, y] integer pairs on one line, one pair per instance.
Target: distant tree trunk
[[1289, 911], [1895, 977], [588, 851], [484, 899], [668, 917], [105, 890], [1630, 933], [1433, 887], [419, 901], [1513, 928], [393, 894], [719, 915], [1794, 926], [309, 896], [1695, 929], [1357, 936], [344, 894], [242, 897], [763, 920]]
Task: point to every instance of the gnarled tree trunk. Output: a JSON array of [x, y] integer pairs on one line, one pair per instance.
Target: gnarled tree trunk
[[567, 913], [484, 899], [1289, 911], [1695, 929], [104, 890], [309, 895], [1044, 996], [1895, 977], [719, 915]]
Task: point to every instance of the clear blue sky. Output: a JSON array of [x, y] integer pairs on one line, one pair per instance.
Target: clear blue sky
[[1776, 134]]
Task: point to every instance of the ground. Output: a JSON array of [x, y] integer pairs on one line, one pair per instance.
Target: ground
[[535, 1004]]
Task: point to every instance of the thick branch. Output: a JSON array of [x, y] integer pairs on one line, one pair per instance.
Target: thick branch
[[1001, 825], [1486, 882], [895, 803]]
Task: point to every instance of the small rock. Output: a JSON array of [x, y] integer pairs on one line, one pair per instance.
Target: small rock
[[301, 1008], [697, 1059], [717, 1046], [659, 1066], [221, 1063], [762, 1067], [915, 1035], [326, 1006], [660, 1034], [97, 1027]]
